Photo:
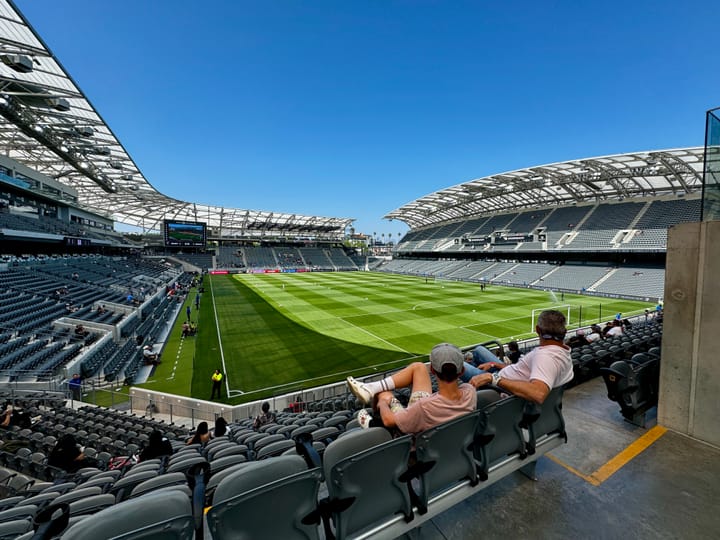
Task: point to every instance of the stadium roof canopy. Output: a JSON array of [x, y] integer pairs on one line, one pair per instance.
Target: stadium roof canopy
[[48, 124], [622, 176]]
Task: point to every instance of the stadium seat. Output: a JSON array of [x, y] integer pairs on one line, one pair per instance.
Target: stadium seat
[[91, 505], [544, 420], [445, 456], [241, 501], [363, 472], [499, 434], [166, 515], [222, 463], [163, 480], [11, 530], [123, 487], [633, 387], [275, 448], [26, 511]]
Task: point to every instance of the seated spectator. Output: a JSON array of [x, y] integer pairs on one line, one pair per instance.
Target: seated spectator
[[15, 417], [266, 417], [80, 331], [297, 405], [546, 367], [151, 358], [606, 328], [595, 334], [578, 340], [616, 329], [221, 427], [425, 408], [513, 352], [202, 434], [500, 355], [157, 446], [482, 355], [67, 456]]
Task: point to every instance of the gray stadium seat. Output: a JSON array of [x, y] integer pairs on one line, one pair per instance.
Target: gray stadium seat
[[445, 456], [163, 480], [241, 501], [91, 505], [275, 448], [10, 530], [499, 434], [165, 515], [222, 463], [363, 471]]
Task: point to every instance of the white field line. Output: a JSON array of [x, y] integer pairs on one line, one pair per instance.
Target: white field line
[[340, 373], [222, 353], [373, 335]]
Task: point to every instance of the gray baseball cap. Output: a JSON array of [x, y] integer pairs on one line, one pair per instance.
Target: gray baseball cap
[[446, 353]]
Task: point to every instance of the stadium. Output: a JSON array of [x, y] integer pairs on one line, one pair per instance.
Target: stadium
[[287, 305]]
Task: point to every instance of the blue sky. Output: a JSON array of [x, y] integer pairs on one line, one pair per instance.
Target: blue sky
[[354, 108]]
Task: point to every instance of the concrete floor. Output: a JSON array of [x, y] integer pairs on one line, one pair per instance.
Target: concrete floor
[[670, 489]]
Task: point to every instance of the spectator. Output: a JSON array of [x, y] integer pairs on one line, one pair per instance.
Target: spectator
[[67, 456], [157, 446], [202, 434], [546, 367], [266, 417], [578, 340], [80, 330], [482, 354], [595, 334], [221, 427], [216, 378], [151, 358], [513, 352], [616, 329], [75, 386], [424, 409]]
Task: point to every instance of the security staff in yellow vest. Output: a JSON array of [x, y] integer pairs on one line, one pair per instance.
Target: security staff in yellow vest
[[217, 378]]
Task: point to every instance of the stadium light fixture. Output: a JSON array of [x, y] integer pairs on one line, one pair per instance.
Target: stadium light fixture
[[18, 62]]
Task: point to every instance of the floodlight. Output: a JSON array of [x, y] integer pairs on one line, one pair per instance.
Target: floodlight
[[18, 62]]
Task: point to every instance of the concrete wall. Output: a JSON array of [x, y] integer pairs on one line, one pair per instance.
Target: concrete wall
[[690, 367]]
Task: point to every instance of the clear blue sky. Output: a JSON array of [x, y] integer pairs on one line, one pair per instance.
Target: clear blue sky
[[354, 108]]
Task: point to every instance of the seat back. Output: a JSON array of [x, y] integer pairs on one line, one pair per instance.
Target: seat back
[[363, 473], [445, 455], [242, 499], [618, 378], [499, 434], [165, 515], [549, 419], [10, 530]]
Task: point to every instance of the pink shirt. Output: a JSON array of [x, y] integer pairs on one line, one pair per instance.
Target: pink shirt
[[435, 409], [550, 364]]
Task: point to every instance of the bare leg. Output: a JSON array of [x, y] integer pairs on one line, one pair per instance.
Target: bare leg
[[416, 376]]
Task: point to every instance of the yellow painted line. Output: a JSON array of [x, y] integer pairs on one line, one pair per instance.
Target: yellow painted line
[[620, 460], [624, 457], [588, 479]]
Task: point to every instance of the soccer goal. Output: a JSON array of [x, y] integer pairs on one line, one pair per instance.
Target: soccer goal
[[565, 309]]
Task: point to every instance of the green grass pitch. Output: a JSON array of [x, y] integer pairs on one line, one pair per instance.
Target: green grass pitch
[[277, 333]]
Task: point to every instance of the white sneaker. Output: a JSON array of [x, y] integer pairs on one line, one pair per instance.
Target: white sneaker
[[360, 390], [364, 418]]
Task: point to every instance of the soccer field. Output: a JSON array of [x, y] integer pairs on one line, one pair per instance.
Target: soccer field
[[276, 333]]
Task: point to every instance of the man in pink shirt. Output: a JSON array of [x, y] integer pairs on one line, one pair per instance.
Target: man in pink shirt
[[425, 409], [542, 369]]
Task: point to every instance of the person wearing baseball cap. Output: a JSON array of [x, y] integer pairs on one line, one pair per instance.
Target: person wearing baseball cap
[[425, 409]]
